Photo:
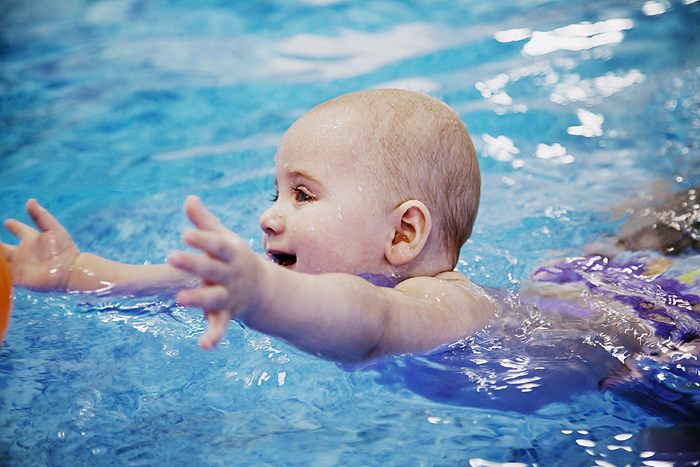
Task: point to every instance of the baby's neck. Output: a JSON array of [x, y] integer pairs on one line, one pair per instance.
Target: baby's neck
[[381, 280]]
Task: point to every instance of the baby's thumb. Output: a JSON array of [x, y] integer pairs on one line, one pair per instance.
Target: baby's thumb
[[217, 323]]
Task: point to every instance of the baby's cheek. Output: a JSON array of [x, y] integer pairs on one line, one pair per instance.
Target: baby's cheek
[[329, 221], [315, 223]]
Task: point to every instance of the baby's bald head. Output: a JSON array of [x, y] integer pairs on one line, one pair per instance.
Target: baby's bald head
[[406, 145]]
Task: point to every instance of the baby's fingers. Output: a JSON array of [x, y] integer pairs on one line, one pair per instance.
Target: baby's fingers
[[208, 269], [8, 249], [19, 230], [41, 217], [201, 217], [217, 323], [214, 244], [208, 297]]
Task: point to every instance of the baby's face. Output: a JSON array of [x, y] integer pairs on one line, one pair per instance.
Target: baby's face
[[324, 219]]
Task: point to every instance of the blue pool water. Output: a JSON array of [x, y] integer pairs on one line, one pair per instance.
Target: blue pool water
[[112, 112]]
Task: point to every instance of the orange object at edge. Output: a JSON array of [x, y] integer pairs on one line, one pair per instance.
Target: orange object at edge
[[5, 293]]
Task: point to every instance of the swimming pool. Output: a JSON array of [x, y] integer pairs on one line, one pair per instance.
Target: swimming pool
[[113, 111]]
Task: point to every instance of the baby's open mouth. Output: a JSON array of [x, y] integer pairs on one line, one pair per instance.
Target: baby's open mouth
[[284, 259]]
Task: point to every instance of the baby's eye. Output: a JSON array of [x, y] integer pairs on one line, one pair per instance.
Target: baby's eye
[[301, 196], [273, 198]]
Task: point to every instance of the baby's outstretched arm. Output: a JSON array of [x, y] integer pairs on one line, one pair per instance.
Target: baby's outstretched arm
[[43, 259], [230, 272], [336, 316], [48, 260]]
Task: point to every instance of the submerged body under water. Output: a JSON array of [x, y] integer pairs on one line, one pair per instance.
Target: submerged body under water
[[596, 324], [629, 324]]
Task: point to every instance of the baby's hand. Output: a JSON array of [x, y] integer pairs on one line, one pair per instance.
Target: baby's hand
[[231, 273], [43, 259]]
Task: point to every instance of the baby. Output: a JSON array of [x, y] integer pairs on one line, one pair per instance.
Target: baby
[[376, 192]]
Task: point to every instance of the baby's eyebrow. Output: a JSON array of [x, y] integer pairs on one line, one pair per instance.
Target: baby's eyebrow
[[305, 175]]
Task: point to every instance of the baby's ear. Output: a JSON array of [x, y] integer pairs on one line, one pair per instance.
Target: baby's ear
[[411, 224]]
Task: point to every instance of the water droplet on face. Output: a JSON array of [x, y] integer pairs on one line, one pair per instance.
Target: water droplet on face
[[359, 188], [311, 228]]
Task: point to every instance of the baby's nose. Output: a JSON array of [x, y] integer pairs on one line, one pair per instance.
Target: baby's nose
[[272, 221]]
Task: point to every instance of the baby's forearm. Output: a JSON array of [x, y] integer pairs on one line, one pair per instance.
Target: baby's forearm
[[93, 274], [318, 315]]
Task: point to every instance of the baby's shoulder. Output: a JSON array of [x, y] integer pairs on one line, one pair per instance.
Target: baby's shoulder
[[453, 275], [451, 285]]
